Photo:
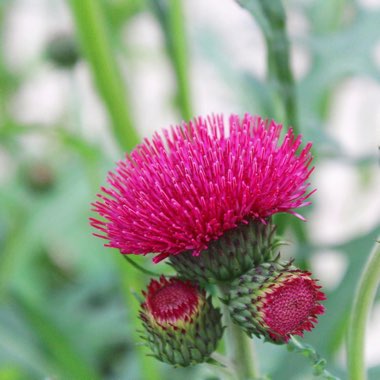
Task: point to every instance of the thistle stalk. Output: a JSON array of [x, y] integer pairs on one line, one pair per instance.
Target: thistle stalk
[[240, 347], [361, 307], [271, 17], [92, 30]]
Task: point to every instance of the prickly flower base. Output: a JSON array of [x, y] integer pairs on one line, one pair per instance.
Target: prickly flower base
[[275, 300], [234, 253], [181, 325]]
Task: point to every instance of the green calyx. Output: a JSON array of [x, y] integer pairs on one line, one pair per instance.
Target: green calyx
[[191, 342], [247, 293], [233, 254]]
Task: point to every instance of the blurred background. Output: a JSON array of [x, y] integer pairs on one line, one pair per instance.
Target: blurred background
[[78, 78]]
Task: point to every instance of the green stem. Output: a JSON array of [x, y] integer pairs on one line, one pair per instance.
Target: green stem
[[223, 366], [92, 30], [361, 307], [318, 363], [239, 348], [179, 56], [271, 17], [170, 15], [139, 267]]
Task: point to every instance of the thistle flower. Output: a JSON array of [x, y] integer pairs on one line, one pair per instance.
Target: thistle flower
[[275, 300], [182, 191], [181, 325]]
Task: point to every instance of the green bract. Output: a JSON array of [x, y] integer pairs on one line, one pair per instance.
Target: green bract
[[183, 330], [233, 254]]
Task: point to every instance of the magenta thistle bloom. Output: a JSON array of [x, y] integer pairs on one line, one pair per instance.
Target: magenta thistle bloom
[[181, 191]]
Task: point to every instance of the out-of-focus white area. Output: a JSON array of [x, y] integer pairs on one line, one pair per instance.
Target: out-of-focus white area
[[243, 43], [356, 130], [346, 204], [48, 90], [329, 267], [371, 4], [153, 82]]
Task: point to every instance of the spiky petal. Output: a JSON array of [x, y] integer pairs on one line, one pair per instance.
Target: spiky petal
[[275, 300], [181, 325], [181, 191]]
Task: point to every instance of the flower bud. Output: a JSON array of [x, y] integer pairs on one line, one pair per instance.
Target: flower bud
[[63, 51], [275, 300], [234, 253], [181, 325]]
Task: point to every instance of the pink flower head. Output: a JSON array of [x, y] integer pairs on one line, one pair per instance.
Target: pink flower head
[[172, 302], [184, 189], [291, 306]]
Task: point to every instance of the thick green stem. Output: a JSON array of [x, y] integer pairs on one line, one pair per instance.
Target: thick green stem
[[361, 307], [95, 41], [239, 348]]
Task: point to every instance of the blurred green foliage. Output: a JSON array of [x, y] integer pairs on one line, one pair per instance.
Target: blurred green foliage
[[67, 309]]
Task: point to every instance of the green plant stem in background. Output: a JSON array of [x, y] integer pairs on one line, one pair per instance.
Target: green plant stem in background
[[362, 305], [239, 348], [170, 15], [179, 56], [55, 342], [93, 33], [92, 29], [271, 17]]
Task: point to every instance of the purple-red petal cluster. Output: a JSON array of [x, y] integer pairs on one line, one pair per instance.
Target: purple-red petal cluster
[[184, 189], [172, 300], [292, 306]]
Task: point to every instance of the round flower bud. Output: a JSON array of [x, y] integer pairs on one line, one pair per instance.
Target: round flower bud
[[234, 253], [181, 325], [274, 301]]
